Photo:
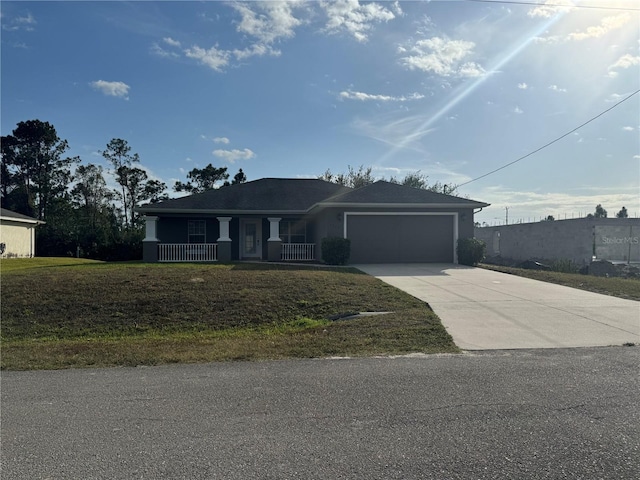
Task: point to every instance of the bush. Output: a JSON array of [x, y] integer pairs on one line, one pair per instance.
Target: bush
[[471, 251], [336, 250], [564, 265]]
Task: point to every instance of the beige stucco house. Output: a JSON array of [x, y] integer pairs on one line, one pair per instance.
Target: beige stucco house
[[17, 234]]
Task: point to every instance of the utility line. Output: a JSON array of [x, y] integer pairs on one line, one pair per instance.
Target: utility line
[[536, 4], [552, 141]]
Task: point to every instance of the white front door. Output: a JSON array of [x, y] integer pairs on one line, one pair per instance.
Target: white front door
[[250, 238]]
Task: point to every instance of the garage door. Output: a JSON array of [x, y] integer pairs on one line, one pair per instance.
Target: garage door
[[401, 238]]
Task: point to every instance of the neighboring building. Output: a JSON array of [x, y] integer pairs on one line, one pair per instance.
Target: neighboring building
[[580, 240], [286, 219], [17, 234]]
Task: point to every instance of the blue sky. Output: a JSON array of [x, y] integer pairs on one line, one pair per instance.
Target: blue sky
[[454, 89]]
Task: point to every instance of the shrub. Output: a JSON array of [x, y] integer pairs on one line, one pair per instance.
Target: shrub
[[564, 265], [471, 251], [336, 250]]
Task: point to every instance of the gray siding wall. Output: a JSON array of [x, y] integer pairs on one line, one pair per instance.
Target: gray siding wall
[[574, 240]]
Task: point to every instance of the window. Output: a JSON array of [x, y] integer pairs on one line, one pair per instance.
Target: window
[[293, 231], [197, 231]]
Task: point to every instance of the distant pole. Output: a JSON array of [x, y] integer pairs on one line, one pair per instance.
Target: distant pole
[[506, 216]]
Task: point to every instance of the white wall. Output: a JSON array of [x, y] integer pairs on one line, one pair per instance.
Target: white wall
[[19, 239]]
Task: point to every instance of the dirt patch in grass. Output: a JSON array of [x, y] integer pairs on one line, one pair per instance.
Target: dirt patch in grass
[[145, 314], [628, 288]]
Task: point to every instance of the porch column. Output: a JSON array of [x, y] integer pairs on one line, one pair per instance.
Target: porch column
[[224, 241], [150, 242], [274, 240]]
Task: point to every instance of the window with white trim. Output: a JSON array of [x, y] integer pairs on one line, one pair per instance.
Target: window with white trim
[[293, 231], [197, 231]]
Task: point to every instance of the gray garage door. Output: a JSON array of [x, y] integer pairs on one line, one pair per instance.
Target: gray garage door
[[400, 238]]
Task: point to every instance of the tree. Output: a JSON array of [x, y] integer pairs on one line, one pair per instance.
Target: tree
[[600, 212], [135, 185], [363, 177], [118, 154], [622, 213], [202, 179], [239, 177], [34, 171], [96, 223], [550, 218], [90, 194], [353, 179]]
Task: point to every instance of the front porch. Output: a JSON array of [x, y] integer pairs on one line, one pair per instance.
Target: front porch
[[274, 239]]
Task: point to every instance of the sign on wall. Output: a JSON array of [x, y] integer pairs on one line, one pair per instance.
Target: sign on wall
[[618, 244]]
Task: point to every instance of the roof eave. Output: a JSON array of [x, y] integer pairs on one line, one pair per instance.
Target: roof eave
[[22, 220], [209, 211]]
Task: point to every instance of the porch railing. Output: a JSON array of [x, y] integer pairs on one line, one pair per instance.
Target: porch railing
[[188, 252], [298, 251]]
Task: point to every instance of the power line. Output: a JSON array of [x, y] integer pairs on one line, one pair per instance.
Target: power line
[[536, 4], [552, 141]]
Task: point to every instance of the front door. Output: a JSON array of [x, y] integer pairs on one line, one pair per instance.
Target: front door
[[251, 235]]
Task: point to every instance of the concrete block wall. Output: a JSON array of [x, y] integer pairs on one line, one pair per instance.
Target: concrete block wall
[[574, 240]]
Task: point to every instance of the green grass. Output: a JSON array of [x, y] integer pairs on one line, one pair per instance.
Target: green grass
[[59, 313], [628, 288]]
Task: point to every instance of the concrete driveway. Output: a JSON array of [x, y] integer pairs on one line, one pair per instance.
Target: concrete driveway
[[484, 310]]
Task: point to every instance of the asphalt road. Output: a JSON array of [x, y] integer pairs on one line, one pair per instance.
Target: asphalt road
[[565, 413]]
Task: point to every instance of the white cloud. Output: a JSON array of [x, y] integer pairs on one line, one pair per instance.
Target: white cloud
[[114, 89], [233, 155], [161, 52], [443, 57], [615, 97], [523, 86], [257, 49], [354, 18], [556, 88], [224, 140], [518, 110], [606, 25], [625, 61], [20, 23], [212, 58], [268, 21], [170, 41], [550, 8], [628, 129], [361, 96]]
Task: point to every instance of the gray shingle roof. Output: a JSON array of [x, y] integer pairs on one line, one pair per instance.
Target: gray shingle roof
[[300, 195], [267, 194]]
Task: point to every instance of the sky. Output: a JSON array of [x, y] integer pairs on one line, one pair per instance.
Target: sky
[[451, 89]]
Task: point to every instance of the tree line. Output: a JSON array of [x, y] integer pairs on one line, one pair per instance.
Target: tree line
[[364, 176], [73, 198]]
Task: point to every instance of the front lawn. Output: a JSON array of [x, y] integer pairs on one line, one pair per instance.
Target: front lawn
[[82, 314]]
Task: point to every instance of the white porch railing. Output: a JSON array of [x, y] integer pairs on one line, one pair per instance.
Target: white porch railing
[[298, 251], [188, 252]]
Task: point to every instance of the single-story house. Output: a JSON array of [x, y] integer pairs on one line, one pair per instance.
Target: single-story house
[[283, 219], [17, 234]]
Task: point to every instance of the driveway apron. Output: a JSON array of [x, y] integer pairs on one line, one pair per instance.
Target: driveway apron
[[486, 310]]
